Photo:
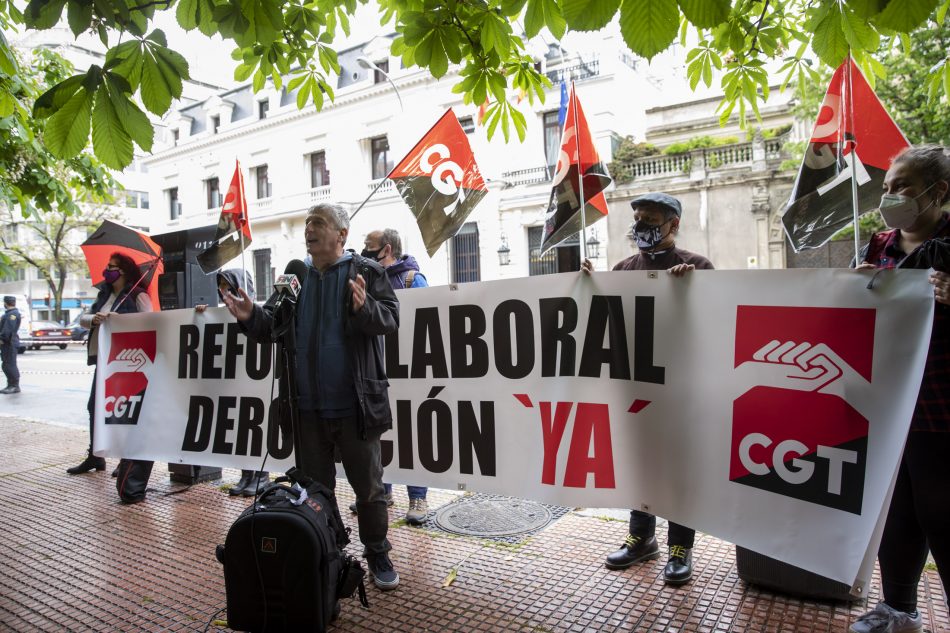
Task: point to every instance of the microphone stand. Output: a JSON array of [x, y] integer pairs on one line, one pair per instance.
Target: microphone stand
[[284, 331]]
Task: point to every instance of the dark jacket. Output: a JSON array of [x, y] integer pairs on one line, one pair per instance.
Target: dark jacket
[[9, 327], [124, 304], [399, 271], [363, 334]]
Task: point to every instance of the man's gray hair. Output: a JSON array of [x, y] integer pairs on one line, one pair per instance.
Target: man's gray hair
[[391, 237], [333, 213]]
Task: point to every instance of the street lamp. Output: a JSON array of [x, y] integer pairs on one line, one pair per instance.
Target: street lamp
[[504, 253], [593, 246], [367, 64]]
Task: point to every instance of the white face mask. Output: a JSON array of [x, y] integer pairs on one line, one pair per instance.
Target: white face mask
[[900, 212]]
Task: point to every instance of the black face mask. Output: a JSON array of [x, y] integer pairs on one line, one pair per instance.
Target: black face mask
[[373, 255], [648, 236]]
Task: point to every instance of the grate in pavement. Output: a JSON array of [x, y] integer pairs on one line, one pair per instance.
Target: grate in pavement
[[494, 517]]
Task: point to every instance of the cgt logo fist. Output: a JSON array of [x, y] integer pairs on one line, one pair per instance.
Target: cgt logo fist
[[130, 355], [793, 432]]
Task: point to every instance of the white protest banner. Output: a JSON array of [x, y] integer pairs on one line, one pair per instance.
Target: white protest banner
[[768, 408]]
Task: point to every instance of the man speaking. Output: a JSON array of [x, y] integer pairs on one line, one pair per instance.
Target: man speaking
[[345, 306]]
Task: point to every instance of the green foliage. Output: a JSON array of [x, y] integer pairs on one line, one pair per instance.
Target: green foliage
[[906, 94], [292, 41], [699, 142], [629, 150], [870, 223]]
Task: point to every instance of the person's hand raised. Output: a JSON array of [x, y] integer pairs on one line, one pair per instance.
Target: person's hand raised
[[358, 286], [241, 307]]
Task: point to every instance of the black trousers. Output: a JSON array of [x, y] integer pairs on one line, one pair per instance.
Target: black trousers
[[643, 524], [8, 356], [918, 520], [91, 408], [362, 462]]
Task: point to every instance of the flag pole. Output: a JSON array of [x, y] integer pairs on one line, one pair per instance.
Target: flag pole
[[247, 220], [580, 174], [849, 108]]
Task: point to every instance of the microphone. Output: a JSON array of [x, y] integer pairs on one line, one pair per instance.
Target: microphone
[[287, 287], [288, 284]]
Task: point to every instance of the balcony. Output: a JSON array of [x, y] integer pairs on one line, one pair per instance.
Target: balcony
[[531, 176], [386, 187], [578, 72]]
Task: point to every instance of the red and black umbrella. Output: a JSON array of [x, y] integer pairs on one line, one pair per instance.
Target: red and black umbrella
[[112, 237]]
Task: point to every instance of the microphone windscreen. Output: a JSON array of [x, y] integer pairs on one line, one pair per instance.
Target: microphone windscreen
[[298, 268]]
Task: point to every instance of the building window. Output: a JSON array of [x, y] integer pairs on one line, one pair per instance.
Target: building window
[[465, 259], [319, 175], [214, 193], [379, 73], [174, 207], [175, 136], [468, 124], [215, 123], [263, 184], [566, 257], [382, 163], [552, 140], [262, 108], [263, 274], [17, 273], [136, 199]]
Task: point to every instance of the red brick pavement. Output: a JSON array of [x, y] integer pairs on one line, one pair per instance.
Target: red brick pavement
[[75, 559]]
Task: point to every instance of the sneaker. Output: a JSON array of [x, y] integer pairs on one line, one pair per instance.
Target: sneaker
[[389, 502], [884, 619], [418, 510], [635, 549], [384, 576], [679, 568]]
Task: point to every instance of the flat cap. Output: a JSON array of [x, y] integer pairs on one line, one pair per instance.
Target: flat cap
[[9, 299], [663, 199]]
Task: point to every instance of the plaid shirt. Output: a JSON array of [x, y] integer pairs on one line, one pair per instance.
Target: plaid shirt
[[933, 402]]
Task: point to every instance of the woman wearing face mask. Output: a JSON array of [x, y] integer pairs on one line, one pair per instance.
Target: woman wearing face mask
[[121, 292], [916, 188]]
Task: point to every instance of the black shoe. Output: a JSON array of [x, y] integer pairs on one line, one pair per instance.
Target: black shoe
[[238, 489], [384, 576], [635, 549], [10, 389], [679, 569], [115, 472], [90, 463], [259, 481]]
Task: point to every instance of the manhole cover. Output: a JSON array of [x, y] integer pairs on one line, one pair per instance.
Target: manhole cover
[[492, 516]]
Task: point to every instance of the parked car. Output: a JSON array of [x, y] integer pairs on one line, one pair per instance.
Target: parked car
[[79, 332], [47, 333], [24, 335]]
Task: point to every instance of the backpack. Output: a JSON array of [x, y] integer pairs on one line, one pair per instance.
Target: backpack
[[285, 567]]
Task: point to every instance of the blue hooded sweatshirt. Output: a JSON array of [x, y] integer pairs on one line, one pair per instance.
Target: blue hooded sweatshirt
[[398, 271]]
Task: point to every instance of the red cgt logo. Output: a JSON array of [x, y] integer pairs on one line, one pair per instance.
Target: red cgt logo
[[126, 382], [793, 433]]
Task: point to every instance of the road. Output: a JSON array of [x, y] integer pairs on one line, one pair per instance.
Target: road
[[54, 386]]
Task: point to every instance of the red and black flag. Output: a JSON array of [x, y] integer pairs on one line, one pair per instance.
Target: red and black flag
[[577, 156], [440, 181], [234, 227], [854, 137]]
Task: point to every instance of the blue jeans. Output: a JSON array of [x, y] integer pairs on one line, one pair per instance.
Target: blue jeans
[[415, 492]]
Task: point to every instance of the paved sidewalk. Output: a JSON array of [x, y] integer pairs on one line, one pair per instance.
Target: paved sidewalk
[[74, 559]]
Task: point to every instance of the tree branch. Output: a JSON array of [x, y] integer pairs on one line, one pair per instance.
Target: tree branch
[[758, 27]]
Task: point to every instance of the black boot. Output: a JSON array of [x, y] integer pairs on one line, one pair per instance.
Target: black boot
[[90, 463], [679, 569], [635, 549], [245, 481], [258, 482]]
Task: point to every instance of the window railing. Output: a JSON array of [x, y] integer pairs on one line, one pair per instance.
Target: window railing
[[387, 188], [578, 72], [531, 176]]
